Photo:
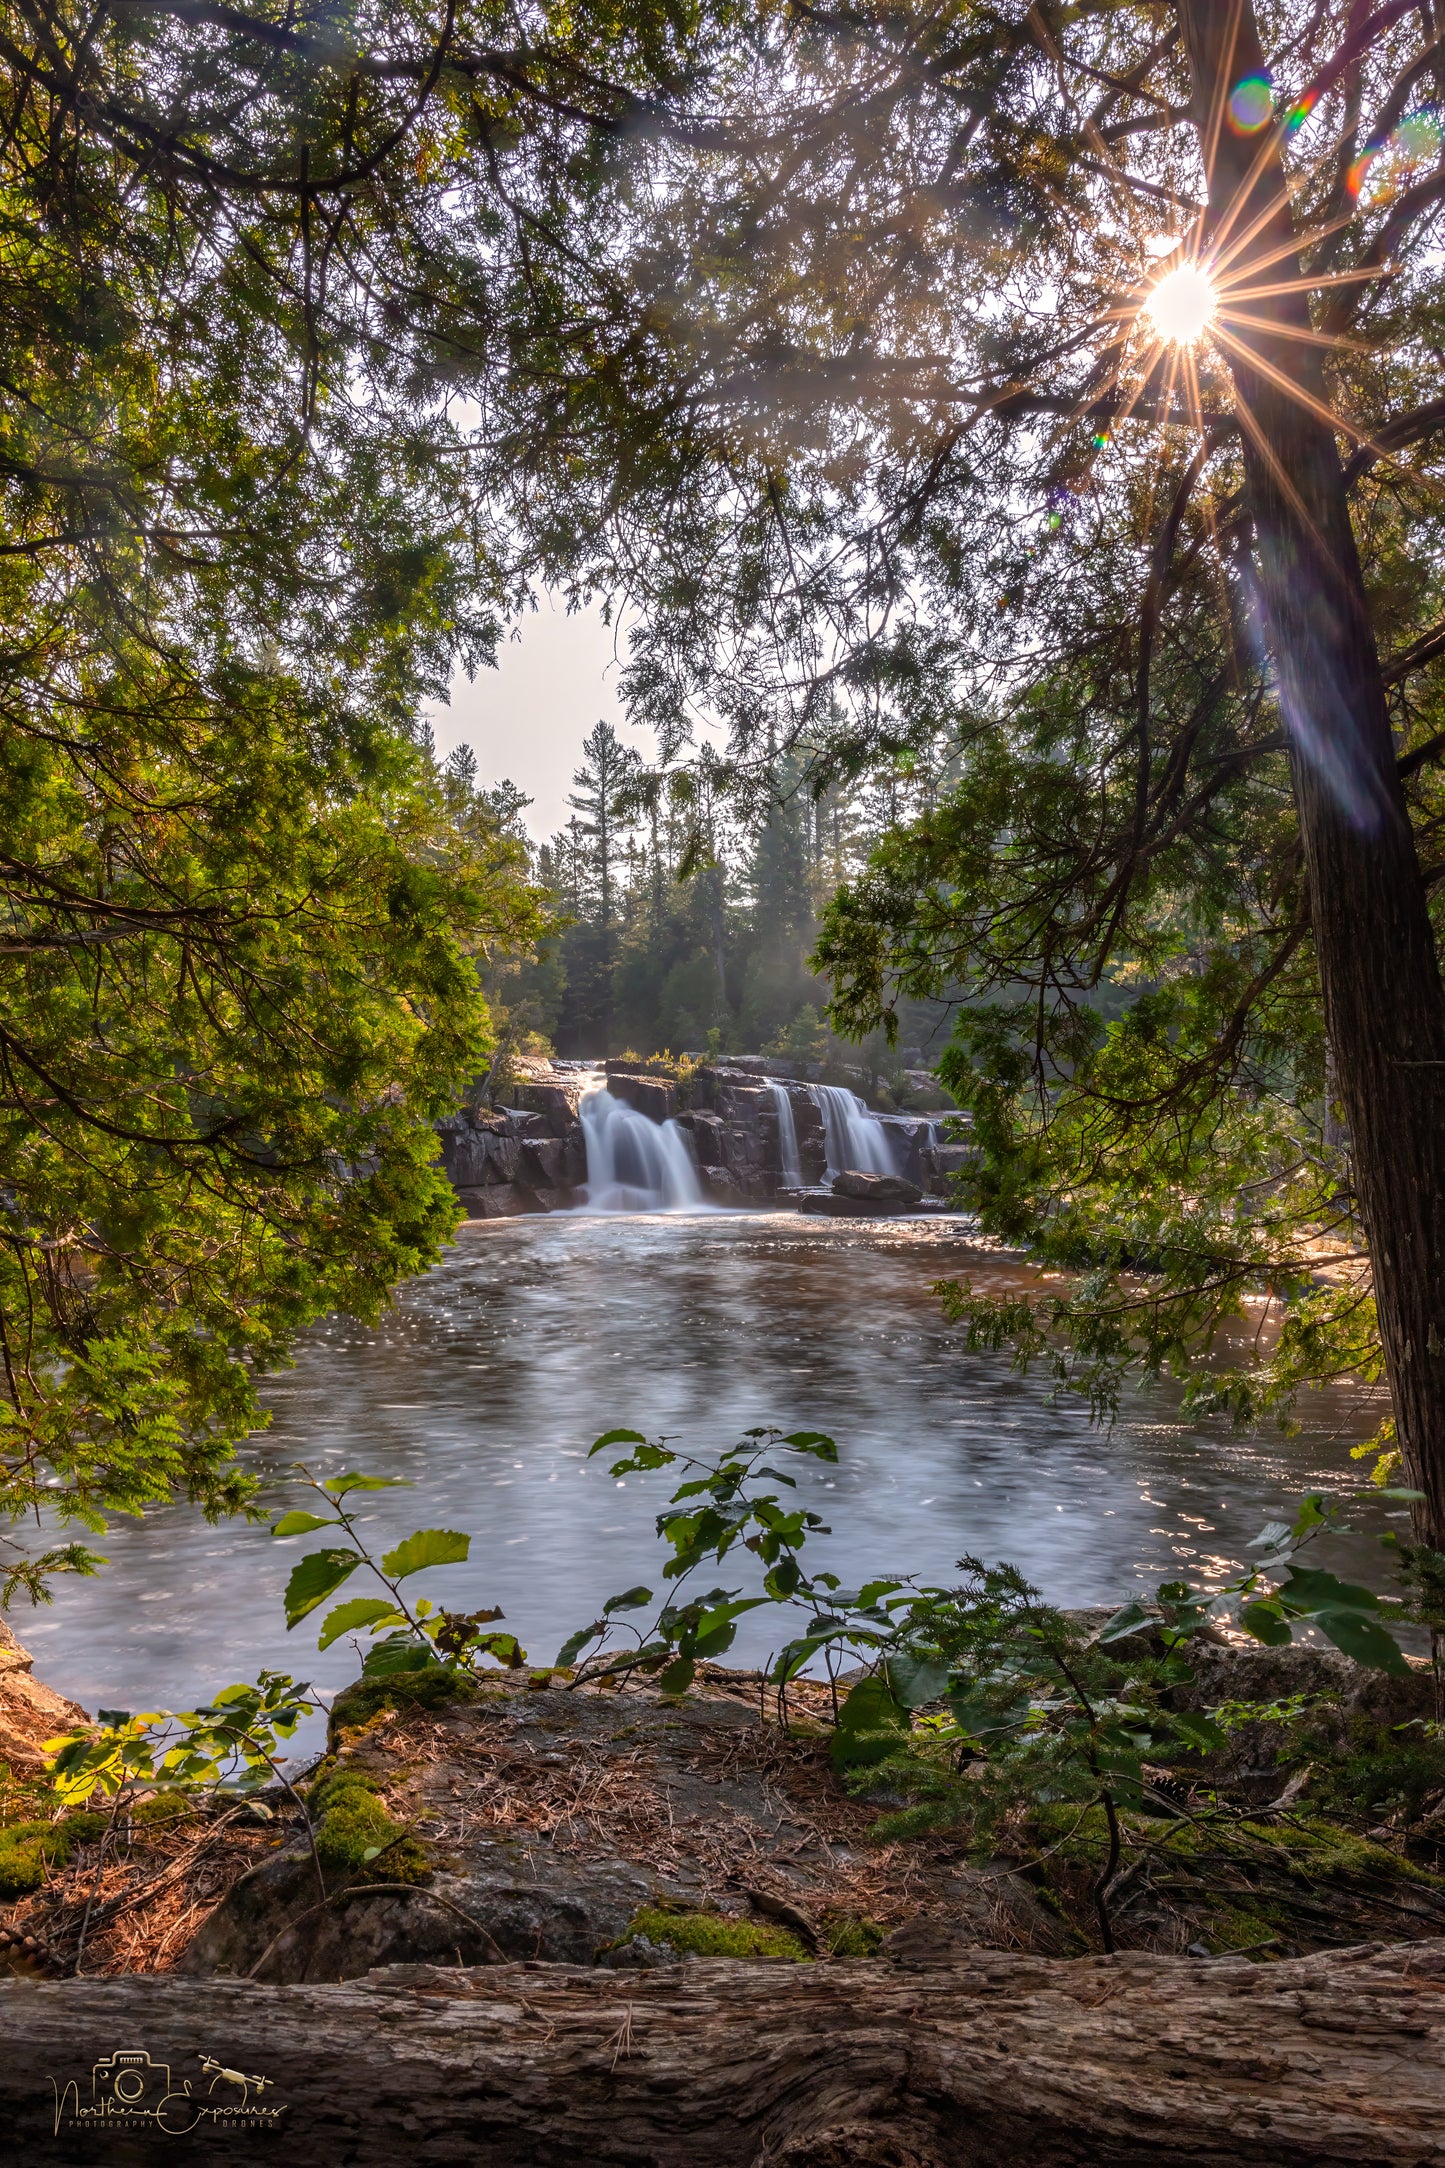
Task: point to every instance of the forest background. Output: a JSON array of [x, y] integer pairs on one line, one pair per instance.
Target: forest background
[[679, 934]]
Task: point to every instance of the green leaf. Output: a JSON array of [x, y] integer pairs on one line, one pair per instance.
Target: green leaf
[[361, 1611], [1263, 1620], [399, 1653], [339, 1485], [301, 1524], [871, 1724], [1311, 1590], [782, 1582], [1365, 1639], [816, 1442], [616, 1437], [677, 1676], [573, 1646], [1200, 1732], [427, 1547], [631, 1599], [1125, 1622], [312, 1580], [915, 1680]]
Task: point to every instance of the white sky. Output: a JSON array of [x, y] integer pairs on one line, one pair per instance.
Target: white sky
[[555, 677]]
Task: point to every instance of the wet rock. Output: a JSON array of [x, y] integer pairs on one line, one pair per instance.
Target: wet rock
[[478, 1153], [499, 1200], [892, 1189], [546, 1162], [954, 1158], [656, 1097], [707, 1136]]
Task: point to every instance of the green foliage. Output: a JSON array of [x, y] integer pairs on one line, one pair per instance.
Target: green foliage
[[233, 1745], [979, 1700], [414, 1636], [716, 1509], [713, 1934]]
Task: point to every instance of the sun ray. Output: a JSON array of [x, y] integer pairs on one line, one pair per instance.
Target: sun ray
[[1304, 284], [1298, 332], [1219, 264], [1346, 428]]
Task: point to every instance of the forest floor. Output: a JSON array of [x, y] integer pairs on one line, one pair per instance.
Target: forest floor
[[536, 1821]]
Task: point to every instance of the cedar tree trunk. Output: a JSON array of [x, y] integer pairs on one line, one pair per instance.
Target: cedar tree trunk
[[1383, 1000]]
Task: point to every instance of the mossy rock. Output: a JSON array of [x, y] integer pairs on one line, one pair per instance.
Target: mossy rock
[[27, 1852], [85, 1825], [164, 1807], [355, 1832], [712, 1934], [848, 1934], [357, 1704]]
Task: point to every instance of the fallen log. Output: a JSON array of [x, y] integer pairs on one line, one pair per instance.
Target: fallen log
[[975, 2059]]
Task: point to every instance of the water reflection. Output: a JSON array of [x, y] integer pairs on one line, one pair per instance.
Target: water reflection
[[493, 1374]]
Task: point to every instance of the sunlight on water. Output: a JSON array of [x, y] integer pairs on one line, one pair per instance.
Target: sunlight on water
[[493, 1374]]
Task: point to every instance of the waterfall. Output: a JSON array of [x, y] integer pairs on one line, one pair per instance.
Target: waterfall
[[855, 1139], [634, 1165], [788, 1152]]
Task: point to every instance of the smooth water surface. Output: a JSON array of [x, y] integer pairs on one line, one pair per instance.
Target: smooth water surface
[[492, 1376]]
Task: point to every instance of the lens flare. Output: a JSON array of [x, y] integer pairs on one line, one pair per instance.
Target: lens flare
[[1251, 105], [1416, 142], [1182, 305]]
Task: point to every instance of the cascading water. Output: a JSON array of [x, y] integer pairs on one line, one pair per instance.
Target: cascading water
[[855, 1140], [788, 1153], [634, 1165]]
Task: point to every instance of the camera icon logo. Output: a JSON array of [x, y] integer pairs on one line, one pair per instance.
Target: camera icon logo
[[131, 2080]]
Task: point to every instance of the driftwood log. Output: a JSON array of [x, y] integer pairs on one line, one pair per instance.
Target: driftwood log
[[971, 2059]]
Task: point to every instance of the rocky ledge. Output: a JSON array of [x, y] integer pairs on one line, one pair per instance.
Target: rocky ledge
[[504, 1819], [527, 1153]]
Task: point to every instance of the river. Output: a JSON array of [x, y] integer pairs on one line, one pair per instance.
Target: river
[[492, 1375]]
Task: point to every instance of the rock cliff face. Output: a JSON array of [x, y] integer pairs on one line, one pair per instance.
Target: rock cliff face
[[30, 1712], [529, 1153]]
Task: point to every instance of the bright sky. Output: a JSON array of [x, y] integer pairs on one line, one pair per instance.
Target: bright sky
[[556, 676]]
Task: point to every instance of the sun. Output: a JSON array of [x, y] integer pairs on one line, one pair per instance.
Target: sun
[[1182, 305]]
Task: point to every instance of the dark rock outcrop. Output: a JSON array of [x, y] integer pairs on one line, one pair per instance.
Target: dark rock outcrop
[[892, 1189]]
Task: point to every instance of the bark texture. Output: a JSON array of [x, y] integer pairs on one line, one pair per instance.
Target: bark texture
[[1384, 1005], [950, 2060]]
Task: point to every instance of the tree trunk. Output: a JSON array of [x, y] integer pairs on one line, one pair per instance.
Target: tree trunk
[[991, 2059], [1383, 1000]]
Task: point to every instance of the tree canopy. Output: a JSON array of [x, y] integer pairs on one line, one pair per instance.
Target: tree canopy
[[830, 339]]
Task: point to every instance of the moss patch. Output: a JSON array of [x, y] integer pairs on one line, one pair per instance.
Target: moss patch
[[27, 1851], [354, 1831], [713, 1934], [845, 1934], [359, 1703]]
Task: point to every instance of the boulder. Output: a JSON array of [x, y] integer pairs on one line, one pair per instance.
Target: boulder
[[887, 1189], [498, 1200], [953, 1158], [557, 1101]]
